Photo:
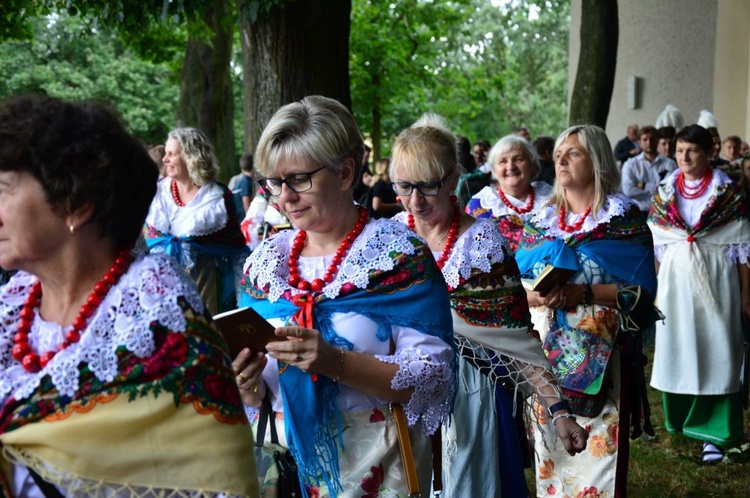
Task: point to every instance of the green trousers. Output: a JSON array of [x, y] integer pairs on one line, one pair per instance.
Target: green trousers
[[714, 418]]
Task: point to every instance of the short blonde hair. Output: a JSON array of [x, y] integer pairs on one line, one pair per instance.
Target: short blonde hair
[[426, 150], [318, 130], [198, 154], [606, 174]]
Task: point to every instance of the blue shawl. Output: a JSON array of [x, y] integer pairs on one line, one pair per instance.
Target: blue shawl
[[413, 294], [623, 247]]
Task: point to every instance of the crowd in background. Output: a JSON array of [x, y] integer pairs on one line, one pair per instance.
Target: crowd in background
[[412, 282]]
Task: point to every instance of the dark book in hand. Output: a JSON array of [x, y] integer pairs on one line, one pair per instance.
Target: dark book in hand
[[548, 278], [245, 328]]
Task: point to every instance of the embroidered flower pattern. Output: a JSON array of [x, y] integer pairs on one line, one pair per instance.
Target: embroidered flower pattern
[[546, 469], [372, 481], [377, 416], [589, 492], [604, 324], [600, 446], [179, 354]]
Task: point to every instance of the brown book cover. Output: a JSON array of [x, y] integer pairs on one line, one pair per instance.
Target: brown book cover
[[245, 328], [548, 278]]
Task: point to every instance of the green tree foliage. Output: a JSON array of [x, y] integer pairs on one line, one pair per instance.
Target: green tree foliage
[[518, 69], [394, 47], [66, 57], [14, 23], [488, 66]]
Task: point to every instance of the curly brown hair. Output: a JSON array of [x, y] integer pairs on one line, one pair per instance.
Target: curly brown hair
[[80, 153]]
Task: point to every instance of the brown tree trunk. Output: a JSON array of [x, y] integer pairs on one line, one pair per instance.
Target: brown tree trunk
[[206, 100], [377, 128], [595, 77], [298, 49]]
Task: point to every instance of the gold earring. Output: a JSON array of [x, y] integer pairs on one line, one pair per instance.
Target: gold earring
[[72, 229]]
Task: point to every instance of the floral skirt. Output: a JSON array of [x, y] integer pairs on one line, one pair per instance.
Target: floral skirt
[[370, 461], [592, 472]]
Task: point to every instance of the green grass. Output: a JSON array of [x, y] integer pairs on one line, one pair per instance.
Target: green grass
[[669, 465]]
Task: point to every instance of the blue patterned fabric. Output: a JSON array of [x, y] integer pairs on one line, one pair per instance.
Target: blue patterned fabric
[[311, 414]]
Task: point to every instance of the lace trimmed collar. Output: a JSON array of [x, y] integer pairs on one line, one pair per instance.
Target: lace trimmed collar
[[267, 267], [480, 247], [614, 205], [489, 199], [204, 215], [147, 293]]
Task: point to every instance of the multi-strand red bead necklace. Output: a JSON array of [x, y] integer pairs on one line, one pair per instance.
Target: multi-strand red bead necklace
[[528, 207], [32, 361], [296, 281], [176, 194], [575, 226], [694, 191], [450, 241]]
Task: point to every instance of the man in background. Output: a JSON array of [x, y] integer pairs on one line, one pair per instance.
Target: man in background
[[522, 131], [666, 147], [544, 146], [243, 187], [730, 150], [628, 147], [642, 173]]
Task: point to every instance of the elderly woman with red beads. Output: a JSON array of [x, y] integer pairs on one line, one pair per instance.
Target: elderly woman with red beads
[[512, 201], [364, 307], [702, 243], [99, 349]]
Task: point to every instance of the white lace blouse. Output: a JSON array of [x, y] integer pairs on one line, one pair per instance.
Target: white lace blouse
[[147, 292], [424, 360], [205, 214]]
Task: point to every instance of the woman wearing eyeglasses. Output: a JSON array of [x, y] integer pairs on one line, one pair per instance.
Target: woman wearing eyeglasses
[[498, 348], [194, 219], [513, 200], [363, 307]]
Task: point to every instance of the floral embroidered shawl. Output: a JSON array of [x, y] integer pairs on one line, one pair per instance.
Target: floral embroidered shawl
[[144, 405]]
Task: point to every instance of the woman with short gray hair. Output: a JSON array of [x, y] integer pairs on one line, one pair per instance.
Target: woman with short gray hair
[[512, 201]]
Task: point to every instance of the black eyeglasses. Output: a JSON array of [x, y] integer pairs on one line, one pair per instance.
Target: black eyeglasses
[[299, 182], [427, 189]]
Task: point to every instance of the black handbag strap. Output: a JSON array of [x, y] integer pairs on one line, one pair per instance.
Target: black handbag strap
[[266, 418], [48, 489]]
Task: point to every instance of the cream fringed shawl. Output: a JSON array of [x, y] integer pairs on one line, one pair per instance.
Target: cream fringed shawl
[[698, 346], [144, 405], [489, 307]]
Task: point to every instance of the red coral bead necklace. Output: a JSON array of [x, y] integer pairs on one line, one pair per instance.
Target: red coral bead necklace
[[575, 226], [176, 194], [296, 281], [452, 235], [694, 191], [32, 361], [528, 207]]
